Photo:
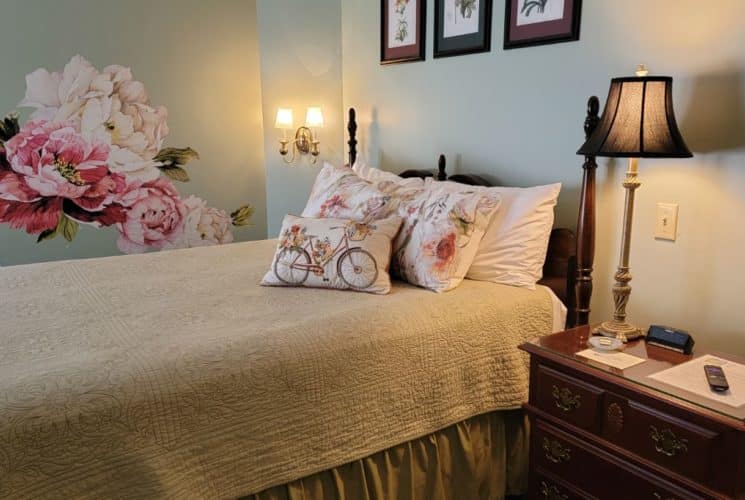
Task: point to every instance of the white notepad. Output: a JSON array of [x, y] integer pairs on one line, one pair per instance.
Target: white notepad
[[691, 377], [616, 359]]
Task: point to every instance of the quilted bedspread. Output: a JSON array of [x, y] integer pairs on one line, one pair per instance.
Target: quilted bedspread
[[175, 375]]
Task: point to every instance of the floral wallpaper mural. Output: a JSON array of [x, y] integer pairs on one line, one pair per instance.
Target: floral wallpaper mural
[[94, 152]]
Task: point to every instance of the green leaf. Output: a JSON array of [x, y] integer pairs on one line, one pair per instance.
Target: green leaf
[[172, 159], [48, 234], [176, 157], [175, 173], [242, 216], [67, 227], [9, 127]]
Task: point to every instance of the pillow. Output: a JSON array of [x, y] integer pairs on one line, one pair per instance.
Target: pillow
[[376, 175], [442, 229], [513, 249], [334, 253], [338, 192]]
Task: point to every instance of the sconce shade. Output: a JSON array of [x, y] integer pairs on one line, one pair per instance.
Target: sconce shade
[[314, 117], [638, 121], [284, 119]]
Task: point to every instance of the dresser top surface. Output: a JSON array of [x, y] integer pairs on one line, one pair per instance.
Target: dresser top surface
[[566, 345]]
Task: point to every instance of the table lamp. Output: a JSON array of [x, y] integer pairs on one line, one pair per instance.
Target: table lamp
[[638, 122]]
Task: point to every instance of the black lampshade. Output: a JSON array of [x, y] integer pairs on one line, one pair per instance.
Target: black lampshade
[[638, 121]]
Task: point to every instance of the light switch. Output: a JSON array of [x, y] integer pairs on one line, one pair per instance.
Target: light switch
[[666, 227]]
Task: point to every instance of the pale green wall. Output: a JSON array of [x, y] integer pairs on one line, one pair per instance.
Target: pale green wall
[[512, 115], [300, 67], [516, 116], [197, 58]]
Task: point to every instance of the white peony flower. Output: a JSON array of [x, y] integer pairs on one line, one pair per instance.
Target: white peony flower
[[131, 165], [42, 90], [118, 74], [203, 226], [108, 107], [76, 79]]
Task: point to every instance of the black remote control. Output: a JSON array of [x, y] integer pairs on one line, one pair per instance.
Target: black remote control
[[715, 377]]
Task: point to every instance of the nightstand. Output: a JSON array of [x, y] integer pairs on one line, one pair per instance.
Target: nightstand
[[602, 432]]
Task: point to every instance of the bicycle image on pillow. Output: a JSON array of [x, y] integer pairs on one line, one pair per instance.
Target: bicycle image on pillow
[[304, 253]]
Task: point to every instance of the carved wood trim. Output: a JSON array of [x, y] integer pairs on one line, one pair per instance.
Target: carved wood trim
[[586, 224], [352, 130], [576, 286]]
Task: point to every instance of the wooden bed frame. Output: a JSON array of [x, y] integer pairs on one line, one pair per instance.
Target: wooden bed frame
[[569, 260]]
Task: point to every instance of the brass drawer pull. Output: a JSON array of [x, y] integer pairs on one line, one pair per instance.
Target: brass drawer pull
[[555, 452], [666, 442], [552, 492], [659, 497], [565, 399]]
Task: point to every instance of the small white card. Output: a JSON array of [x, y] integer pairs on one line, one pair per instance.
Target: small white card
[[615, 359], [690, 376]]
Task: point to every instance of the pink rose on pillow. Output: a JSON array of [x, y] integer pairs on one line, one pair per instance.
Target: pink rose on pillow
[[443, 250], [155, 217]]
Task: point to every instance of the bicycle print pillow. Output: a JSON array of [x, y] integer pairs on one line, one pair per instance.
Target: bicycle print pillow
[[334, 253], [441, 234]]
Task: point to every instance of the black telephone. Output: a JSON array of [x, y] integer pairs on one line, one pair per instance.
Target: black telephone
[[670, 338]]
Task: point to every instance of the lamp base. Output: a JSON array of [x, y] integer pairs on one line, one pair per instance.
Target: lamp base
[[618, 330]]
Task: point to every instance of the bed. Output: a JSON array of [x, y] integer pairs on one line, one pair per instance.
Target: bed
[[211, 386]]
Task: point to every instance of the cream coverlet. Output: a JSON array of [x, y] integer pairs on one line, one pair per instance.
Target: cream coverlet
[[176, 375]]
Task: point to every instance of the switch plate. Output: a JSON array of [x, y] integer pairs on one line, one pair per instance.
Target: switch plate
[[666, 226]]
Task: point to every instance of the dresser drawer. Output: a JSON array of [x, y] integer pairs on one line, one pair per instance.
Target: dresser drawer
[[677, 445], [570, 399], [547, 487], [593, 471]]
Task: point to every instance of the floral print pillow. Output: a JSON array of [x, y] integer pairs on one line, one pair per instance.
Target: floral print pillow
[[342, 254], [338, 192], [441, 234]]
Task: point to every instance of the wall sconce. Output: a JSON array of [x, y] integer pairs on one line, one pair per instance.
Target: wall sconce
[[305, 141]]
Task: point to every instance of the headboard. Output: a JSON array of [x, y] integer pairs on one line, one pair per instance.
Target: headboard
[[569, 260]]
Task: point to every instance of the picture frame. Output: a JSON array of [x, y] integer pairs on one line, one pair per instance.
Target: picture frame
[[462, 27], [403, 31], [528, 23]]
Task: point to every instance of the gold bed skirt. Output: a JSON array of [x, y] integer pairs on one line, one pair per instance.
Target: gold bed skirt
[[483, 457]]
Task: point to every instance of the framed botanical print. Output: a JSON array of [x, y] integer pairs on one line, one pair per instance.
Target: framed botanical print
[[538, 22], [462, 27], [402, 30]]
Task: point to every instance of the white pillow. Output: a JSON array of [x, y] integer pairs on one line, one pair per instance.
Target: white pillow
[[376, 175], [334, 253], [440, 236], [513, 249]]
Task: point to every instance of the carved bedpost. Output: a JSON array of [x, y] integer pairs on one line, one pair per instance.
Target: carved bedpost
[[441, 174], [352, 129], [586, 223]]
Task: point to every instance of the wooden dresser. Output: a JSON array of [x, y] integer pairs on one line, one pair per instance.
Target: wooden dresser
[[601, 432]]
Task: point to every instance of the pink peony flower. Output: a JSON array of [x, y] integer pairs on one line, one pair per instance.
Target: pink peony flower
[[203, 226], [155, 217], [57, 161], [49, 168], [33, 217]]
